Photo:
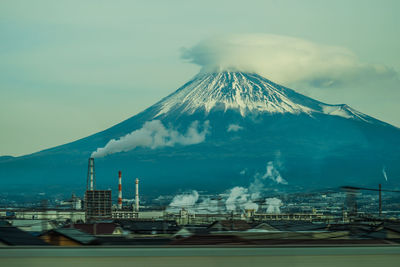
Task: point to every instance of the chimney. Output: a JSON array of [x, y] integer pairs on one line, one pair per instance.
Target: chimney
[[137, 195], [119, 191], [90, 183]]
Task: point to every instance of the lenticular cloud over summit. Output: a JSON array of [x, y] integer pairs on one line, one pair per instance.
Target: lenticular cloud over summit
[[284, 59]]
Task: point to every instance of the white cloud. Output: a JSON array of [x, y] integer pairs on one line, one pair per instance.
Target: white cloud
[[285, 60]]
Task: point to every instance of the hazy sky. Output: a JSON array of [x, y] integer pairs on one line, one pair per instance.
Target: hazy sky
[[71, 68]]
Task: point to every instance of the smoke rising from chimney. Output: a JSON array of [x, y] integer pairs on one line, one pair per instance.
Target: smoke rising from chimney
[[273, 174], [238, 198], [186, 201], [153, 135], [274, 205]]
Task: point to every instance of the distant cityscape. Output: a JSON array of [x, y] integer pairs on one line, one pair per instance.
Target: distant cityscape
[[103, 217]]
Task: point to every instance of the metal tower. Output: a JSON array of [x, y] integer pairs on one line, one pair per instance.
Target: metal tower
[[91, 178]]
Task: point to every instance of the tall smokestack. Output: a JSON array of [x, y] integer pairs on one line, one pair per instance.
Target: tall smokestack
[[137, 194], [119, 191], [91, 179]]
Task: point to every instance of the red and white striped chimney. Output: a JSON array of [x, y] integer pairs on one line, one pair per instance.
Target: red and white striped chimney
[[119, 191]]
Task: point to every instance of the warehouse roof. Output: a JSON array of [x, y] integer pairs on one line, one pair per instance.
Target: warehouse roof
[[13, 236]]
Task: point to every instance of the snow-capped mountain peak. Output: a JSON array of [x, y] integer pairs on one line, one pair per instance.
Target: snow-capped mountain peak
[[246, 93], [231, 90]]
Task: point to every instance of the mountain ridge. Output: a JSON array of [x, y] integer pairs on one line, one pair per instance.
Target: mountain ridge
[[321, 144], [247, 92], [156, 111]]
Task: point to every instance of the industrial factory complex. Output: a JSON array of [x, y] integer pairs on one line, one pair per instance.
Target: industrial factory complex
[[344, 217]]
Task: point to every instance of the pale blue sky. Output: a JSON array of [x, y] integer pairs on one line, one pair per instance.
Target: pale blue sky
[[71, 68]]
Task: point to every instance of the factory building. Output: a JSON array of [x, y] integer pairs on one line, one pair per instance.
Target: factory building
[[97, 202], [124, 214], [98, 205], [289, 217], [51, 214]]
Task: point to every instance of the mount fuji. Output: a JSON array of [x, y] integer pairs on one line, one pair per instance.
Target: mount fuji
[[219, 130]]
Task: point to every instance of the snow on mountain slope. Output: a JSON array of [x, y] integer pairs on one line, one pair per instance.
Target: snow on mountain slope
[[187, 141], [246, 93], [346, 112], [235, 90]]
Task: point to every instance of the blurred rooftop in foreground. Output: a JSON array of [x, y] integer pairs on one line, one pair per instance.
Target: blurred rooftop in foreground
[[309, 256]]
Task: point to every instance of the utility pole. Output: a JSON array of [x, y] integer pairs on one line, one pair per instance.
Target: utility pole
[[380, 200], [350, 199]]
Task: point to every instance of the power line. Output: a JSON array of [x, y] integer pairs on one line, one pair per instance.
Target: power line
[[368, 189]]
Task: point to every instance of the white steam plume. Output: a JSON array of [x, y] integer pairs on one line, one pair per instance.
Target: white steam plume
[[240, 199], [154, 134], [208, 206], [284, 59], [274, 205], [236, 199], [384, 173], [234, 128], [186, 201], [273, 174]]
